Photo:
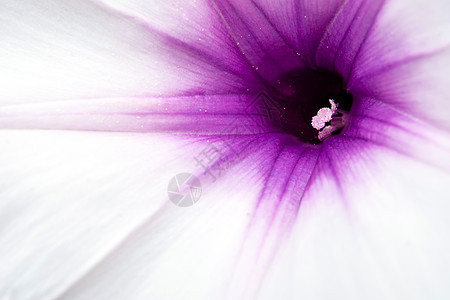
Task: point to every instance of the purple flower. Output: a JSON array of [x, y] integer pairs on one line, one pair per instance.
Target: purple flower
[[328, 123]]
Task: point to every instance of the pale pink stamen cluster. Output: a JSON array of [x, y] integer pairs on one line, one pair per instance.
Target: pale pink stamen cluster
[[325, 115]]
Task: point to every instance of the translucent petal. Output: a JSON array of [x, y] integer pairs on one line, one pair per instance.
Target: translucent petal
[[180, 114], [378, 233], [403, 61], [346, 34]]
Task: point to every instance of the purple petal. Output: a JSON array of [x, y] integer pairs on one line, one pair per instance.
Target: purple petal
[[346, 34], [301, 23]]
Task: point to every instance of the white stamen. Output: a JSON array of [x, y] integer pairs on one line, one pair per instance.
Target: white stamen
[[333, 106]]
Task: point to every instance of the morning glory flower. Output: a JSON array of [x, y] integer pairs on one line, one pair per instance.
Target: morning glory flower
[[319, 131]]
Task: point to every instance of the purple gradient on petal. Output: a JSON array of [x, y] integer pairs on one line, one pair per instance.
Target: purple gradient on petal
[[233, 50], [228, 55], [243, 48]]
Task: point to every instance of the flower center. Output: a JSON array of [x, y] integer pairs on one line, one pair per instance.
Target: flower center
[[314, 104]]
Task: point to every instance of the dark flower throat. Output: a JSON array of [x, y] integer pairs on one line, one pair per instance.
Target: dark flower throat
[[300, 94]]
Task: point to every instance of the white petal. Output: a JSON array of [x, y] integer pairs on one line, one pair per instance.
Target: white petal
[[69, 198], [86, 215]]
